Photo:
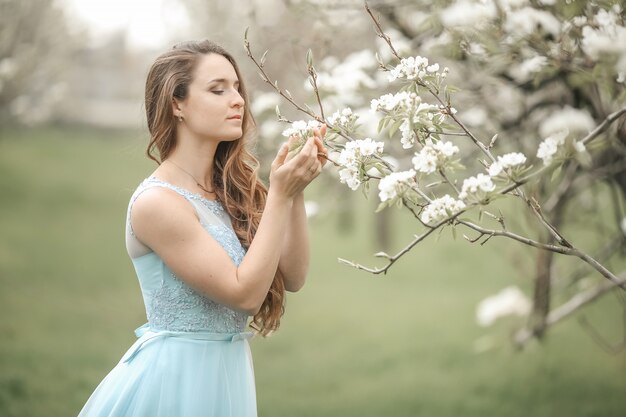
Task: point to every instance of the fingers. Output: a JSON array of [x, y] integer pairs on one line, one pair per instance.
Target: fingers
[[322, 152], [280, 156], [307, 150]]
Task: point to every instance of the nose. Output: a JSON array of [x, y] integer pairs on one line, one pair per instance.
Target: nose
[[238, 100]]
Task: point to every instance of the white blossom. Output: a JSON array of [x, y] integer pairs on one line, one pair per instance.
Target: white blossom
[[476, 49], [467, 13], [409, 137], [579, 146], [411, 68], [550, 146], [432, 68], [426, 160], [607, 37], [354, 156], [417, 115], [302, 128], [579, 20], [350, 176], [414, 69], [509, 301], [440, 209], [476, 187], [523, 22], [365, 147], [395, 184], [433, 156], [391, 102], [568, 118], [343, 118], [508, 160], [528, 68], [474, 116]]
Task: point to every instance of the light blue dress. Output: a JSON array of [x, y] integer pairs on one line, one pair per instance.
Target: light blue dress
[[192, 357]]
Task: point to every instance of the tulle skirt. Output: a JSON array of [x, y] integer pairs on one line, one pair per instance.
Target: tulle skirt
[[179, 374]]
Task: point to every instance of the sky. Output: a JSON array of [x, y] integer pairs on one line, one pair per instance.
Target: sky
[[147, 23]]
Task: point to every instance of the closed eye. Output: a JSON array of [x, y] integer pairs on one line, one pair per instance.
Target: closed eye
[[218, 92]]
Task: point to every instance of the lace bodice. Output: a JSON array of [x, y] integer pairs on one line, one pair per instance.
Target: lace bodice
[[170, 303]]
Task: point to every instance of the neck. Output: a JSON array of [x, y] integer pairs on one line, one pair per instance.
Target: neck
[[196, 158]]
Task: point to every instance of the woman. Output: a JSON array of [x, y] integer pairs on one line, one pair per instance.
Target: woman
[[210, 244]]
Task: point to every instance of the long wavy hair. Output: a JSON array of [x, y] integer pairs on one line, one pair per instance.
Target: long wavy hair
[[235, 169]]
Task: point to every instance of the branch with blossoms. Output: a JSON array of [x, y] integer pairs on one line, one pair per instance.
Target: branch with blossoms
[[423, 128]]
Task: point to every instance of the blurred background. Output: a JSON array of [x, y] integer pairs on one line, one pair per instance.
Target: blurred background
[[409, 343]]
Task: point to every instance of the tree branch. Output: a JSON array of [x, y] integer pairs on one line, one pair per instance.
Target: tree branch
[[579, 300]]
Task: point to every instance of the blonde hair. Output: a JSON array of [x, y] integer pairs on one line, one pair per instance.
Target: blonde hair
[[235, 169]]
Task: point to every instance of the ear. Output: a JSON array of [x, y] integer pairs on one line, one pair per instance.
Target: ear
[[177, 108]]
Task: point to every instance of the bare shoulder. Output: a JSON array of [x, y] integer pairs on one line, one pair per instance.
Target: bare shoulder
[[159, 213]]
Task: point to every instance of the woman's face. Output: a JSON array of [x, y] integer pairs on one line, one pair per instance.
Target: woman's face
[[213, 108]]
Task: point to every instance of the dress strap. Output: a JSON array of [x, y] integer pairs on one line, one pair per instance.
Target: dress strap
[[156, 182]]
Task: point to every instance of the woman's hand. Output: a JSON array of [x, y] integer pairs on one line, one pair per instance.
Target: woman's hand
[[288, 178], [319, 134]]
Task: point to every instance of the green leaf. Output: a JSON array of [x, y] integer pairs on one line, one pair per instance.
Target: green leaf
[[309, 57], [395, 127], [439, 234], [381, 125], [556, 173]]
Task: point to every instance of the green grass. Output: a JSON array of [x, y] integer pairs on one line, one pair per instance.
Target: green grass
[[351, 344]]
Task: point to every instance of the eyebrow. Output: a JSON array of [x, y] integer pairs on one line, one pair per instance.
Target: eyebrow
[[222, 80]]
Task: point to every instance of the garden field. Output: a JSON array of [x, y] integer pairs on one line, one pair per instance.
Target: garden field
[[351, 343]]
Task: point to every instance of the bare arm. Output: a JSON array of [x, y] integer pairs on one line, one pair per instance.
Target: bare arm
[[295, 253], [294, 257], [168, 225]]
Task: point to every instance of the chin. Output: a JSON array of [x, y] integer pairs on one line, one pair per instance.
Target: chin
[[230, 137], [227, 138]]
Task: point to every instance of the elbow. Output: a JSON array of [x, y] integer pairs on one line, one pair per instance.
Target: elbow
[[295, 282], [250, 306], [295, 285]]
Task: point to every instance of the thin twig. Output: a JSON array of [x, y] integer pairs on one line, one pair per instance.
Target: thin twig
[[599, 339], [266, 78], [443, 175], [519, 238], [381, 33], [603, 126], [313, 75]]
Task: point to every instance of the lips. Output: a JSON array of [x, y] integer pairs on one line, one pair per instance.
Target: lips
[[237, 117]]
